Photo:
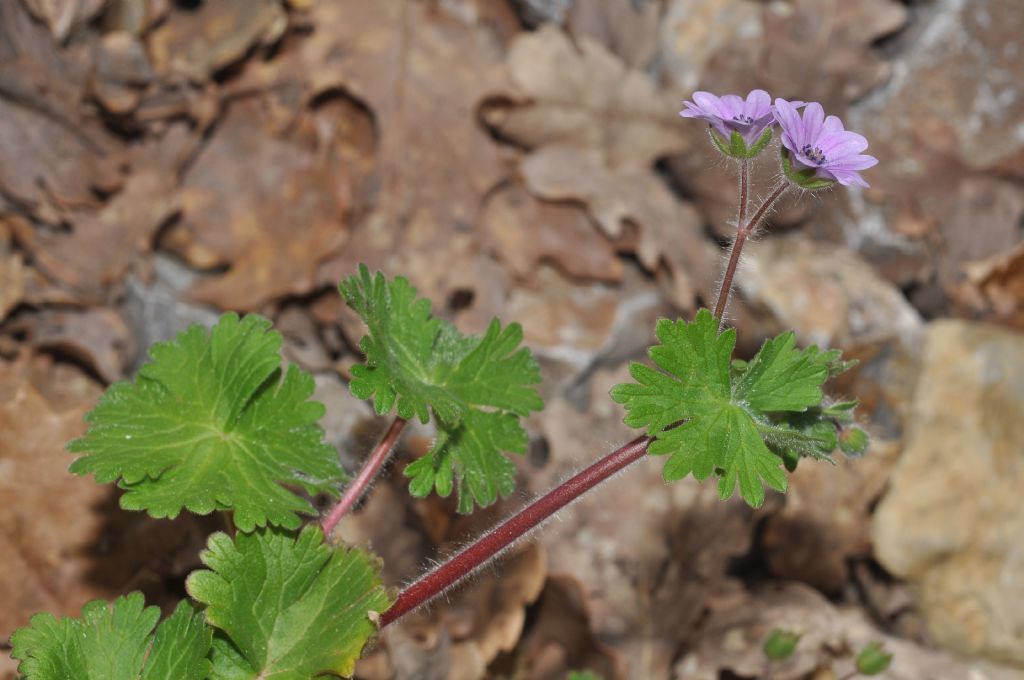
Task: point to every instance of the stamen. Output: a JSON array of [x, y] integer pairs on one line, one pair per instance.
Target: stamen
[[813, 154], [742, 118]]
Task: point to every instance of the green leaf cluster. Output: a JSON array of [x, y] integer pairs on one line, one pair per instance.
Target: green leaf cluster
[[736, 420], [213, 423], [115, 642], [281, 605], [477, 388]]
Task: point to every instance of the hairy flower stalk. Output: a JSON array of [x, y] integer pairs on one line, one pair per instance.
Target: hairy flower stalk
[[491, 544], [743, 231], [354, 491]]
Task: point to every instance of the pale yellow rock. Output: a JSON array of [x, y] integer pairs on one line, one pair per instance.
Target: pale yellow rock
[[953, 523]]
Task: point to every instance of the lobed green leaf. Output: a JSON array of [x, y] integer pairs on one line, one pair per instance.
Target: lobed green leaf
[[477, 387], [115, 642], [289, 606], [210, 424], [738, 420]]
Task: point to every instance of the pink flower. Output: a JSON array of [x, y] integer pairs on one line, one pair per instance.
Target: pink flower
[[822, 145]]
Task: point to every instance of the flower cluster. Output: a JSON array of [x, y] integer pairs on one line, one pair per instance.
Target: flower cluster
[[817, 150]]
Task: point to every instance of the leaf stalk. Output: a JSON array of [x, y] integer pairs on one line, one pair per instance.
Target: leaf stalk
[[354, 491], [492, 543]]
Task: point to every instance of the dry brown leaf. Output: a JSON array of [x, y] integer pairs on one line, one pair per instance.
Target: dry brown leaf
[[627, 28], [561, 640], [271, 208], [433, 156], [122, 70], [524, 233], [1001, 280], [50, 156], [50, 514], [584, 96], [12, 273], [103, 246], [62, 16], [97, 338], [200, 42], [670, 231], [823, 50]]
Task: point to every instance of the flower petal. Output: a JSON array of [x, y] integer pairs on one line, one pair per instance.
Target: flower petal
[[838, 145], [789, 120], [814, 117], [709, 103], [858, 162], [758, 104], [847, 177]]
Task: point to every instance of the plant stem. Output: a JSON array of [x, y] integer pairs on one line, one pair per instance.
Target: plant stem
[[515, 527], [744, 192], [370, 468], [743, 229]]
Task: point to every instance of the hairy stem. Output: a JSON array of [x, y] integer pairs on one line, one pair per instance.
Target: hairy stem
[[743, 229], [515, 527], [354, 491], [744, 192]]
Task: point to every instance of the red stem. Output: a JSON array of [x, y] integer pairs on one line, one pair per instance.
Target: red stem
[[515, 527], [370, 468], [743, 230]]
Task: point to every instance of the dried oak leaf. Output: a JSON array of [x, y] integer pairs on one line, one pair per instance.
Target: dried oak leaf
[[48, 523], [64, 15], [423, 72], [51, 156], [669, 231], [13, 273], [97, 338], [1000, 282], [584, 96], [626, 27], [268, 206], [103, 245], [525, 232], [201, 42]]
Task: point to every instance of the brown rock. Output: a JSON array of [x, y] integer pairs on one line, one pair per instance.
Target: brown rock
[[826, 293], [952, 519], [730, 639]]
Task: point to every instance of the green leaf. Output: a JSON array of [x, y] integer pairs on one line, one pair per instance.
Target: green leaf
[[209, 424], [290, 606], [477, 387], [873, 659], [780, 644], [713, 416], [115, 642]]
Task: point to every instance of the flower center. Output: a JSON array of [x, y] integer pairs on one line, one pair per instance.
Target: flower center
[[813, 154], [742, 118]]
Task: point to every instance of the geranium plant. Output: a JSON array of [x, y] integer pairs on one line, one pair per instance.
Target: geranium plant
[[214, 423]]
